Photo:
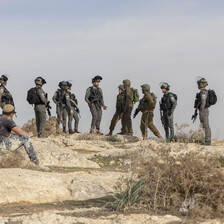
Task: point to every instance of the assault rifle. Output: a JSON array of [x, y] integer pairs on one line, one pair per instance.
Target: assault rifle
[[161, 115], [138, 109], [48, 106], [195, 115], [76, 107]]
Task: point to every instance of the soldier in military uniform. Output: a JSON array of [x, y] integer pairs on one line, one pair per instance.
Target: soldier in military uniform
[[203, 106], [128, 107], [60, 106], [71, 105], [5, 95], [146, 106], [119, 109], [40, 107], [94, 98], [167, 106]]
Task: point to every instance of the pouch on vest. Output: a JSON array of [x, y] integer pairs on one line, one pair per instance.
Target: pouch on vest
[[32, 96]]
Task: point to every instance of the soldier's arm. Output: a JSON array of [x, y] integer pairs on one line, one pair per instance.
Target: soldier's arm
[[1, 93], [88, 93], [149, 98], [128, 98], [102, 100], [42, 96], [68, 102], [54, 98], [174, 102]]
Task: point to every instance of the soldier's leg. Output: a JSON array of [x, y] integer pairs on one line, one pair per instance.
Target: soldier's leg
[[99, 118], [166, 126], [204, 119], [42, 117], [36, 110], [70, 118], [114, 121], [94, 113], [144, 125], [151, 125], [171, 127], [76, 117], [123, 123], [13, 142], [64, 118]]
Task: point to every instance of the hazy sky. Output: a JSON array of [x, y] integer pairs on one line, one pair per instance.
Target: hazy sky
[[143, 40]]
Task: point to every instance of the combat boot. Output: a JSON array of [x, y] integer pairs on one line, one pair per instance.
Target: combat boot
[[98, 132], [71, 132], [64, 129], [110, 133], [40, 135], [76, 131], [159, 136]]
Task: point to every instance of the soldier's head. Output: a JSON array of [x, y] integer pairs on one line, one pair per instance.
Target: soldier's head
[[69, 85], [62, 85], [145, 88], [126, 83], [3, 80], [96, 80], [9, 110], [165, 87], [121, 88], [202, 83], [39, 81]]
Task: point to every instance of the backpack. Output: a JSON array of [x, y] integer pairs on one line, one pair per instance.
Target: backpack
[[174, 95], [32, 96], [212, 98], [154, 100], [135, 95]]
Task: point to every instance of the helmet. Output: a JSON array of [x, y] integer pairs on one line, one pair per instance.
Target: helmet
[[165, 85], [121, 87], [202, 83], [127, 82], [69, 84], [40, 81], [3, 78], [97, 79], [145, 87]]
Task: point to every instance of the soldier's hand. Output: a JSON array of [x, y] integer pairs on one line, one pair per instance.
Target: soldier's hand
[[104, 107], [30, 134], [71, 112]]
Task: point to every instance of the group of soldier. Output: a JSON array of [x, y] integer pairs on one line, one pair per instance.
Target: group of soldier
[[67, 107]]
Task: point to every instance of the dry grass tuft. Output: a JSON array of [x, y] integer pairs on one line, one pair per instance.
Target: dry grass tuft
[[169, 181]]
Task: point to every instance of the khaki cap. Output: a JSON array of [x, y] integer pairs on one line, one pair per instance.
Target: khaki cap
[[8, 108]]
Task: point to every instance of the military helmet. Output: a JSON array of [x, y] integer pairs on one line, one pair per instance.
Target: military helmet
[[3, 78], [127, 82], [69, 84], [121, 87], [97, 79], [145, 87], [202, 83], [62, 83], [40, 81], [165, 85]]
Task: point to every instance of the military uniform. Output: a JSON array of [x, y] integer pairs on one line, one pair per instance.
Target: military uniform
[[147, 108], [5, 97], [70, 104], [94, 98], [40, 111], [119, 111], [204, 115], [128, 107], [167, 105], [60, 108]]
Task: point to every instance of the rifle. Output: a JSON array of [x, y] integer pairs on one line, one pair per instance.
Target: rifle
[[138, 109], [161, 115], [48, 106], [136, 112], [76, 106], [195, 115]]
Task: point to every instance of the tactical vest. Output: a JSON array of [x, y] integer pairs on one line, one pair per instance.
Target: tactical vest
[[73, 99], [198, 101], [95, 96], [120, 103], [7, 97]]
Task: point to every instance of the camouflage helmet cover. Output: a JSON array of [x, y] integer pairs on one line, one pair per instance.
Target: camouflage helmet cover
[[121, 87], [145, 87], [127, 82]]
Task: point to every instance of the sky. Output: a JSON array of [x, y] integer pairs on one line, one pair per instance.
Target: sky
[[146, 41]]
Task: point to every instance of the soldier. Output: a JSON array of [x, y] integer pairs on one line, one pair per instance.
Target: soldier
[[128, 107], [60, 107], [119, 109], [146, 106], [71, 105], [94, 98], [167, 106], [5, 95], [202, 103], [40, 107], [12, 137]]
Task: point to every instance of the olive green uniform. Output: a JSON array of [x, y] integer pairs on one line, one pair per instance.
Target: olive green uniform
[[5, 97], [74, 116], [147, 109], [119, 111], [128, 107], [40, 111]]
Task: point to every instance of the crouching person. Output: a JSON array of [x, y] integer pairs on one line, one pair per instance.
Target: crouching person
[[12, 137]]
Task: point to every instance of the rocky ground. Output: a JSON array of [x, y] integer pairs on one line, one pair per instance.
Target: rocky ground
[[76, 178]]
